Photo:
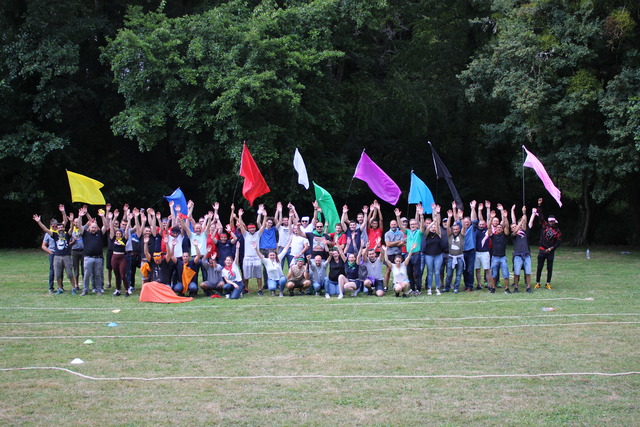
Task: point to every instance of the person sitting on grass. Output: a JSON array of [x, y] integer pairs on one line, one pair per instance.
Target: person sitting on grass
[[351, 280], [62, 254], [187, 272], [160, 267], [232, 277], [373, 264], [399, 270], [298, 277], [337, 279], [214, 284], [273, 266]]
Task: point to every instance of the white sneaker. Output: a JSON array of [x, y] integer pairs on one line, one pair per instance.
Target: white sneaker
[[280, 294], [437, 291], [429, 292], [130, 290], [227, 296], [354, 293], [340, 296], [327, 296]]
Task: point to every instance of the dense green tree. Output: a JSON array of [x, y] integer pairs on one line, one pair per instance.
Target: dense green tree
[[543, 79]]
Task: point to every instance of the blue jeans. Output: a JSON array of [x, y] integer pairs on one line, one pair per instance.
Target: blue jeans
[[332, 288], [414, 271], [93, 270], [499, 265], [51, 275], [193, 288], [324, 285], [469, 268], [434, 266], [276, 284], [520, 262], [458, 268], [235, 293]]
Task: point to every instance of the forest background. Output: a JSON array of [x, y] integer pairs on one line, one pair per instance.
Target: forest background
[[147, 96]]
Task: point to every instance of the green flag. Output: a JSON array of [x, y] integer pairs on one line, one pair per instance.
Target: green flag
[[325, 202]]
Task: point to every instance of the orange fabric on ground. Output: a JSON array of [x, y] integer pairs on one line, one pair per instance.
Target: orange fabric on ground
[[157, 292]]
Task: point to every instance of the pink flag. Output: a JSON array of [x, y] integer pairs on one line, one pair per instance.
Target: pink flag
[[532, 162], [378, 181]]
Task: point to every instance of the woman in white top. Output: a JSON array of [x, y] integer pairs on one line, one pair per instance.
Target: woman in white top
[[232, 277], [275, 276], [399, 270]]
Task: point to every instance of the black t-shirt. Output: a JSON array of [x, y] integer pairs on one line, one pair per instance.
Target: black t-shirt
[[432, 244], [521, 242], [161, 273], [93, 243], [499, 242], [62, 239], [335, 269]]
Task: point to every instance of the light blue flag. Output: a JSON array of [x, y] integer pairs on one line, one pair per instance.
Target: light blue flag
[[420, 193]]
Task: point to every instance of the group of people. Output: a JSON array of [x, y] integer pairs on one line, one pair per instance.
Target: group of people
[[190, 255]]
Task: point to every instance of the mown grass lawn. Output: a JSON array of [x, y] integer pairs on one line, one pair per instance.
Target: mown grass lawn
[[475, 359]]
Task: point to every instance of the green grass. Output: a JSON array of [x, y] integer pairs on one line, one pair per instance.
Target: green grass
[[306, 360]]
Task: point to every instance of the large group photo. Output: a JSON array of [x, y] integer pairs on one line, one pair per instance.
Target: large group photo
[[320, 212]]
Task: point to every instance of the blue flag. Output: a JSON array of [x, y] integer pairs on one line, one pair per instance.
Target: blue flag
[[420, 193], [178, 199]]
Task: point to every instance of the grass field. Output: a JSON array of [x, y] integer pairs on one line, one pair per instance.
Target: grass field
[[474, 359]]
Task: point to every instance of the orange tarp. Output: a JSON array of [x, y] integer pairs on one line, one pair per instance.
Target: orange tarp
[[157, 292]]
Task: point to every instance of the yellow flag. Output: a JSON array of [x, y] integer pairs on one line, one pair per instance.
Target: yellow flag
[[85, 189]]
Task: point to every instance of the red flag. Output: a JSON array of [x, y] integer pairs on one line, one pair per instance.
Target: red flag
[[254, 184]]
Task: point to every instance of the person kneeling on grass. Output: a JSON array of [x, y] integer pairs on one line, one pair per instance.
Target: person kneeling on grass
[[399, 271], [187, 272], [298, 277], [275, 276], [318, 275], [373, 263], [214, 283], [232, 277]]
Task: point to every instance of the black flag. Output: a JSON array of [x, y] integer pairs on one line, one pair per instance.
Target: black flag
[[443, 172]]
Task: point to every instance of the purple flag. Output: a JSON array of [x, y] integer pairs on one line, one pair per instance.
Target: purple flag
[[378, 181], [532, 162]]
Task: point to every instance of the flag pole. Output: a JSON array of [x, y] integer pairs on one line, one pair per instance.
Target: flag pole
[[523, 195]]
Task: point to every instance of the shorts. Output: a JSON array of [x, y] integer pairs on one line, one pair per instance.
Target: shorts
[[252, 268], [499, 263], [483, 260], [297, 283], [213, 286], [61, 262], [377, 285], [520, 262]]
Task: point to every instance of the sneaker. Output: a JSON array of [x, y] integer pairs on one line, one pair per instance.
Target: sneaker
[[468, 290], [478, 288], [131, 289], [126, 294], [245, 291], [340, 296], [486, 285], [84, 294], [492, 290], [227, 296], [405, 296], [51, 292], [109, 286], [411, 292], [59, 291], [327, 296], [507, 291], [290, 293], [438, 292], [94, 290], [516, 290], [529, 291], [498, 285], [281, 294], [260, 292], [446, 290], [303, 292], [354, 293], [537, 286], [548, 286], [397, 294], [99, 293], [455, 291], [273, 293], [428, 291], [73, 291], [116, 293]]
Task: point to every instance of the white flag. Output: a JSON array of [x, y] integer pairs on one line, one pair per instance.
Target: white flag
[[299, 166]]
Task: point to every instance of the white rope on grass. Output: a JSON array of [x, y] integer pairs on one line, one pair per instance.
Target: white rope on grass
[[342, 303], [319, 376], [320, 332], [262, 322]]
